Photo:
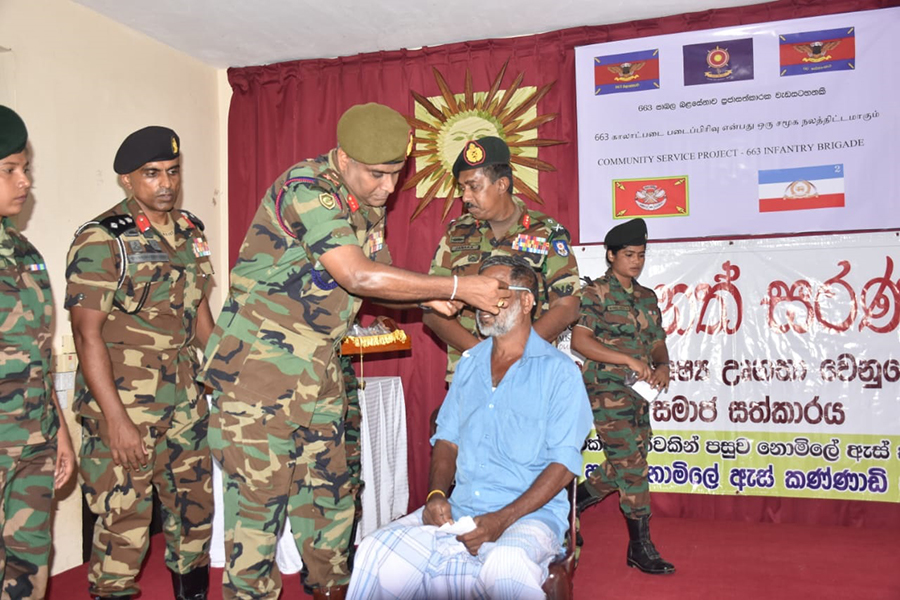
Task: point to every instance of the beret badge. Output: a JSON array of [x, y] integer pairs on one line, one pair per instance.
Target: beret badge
[[474, 153]]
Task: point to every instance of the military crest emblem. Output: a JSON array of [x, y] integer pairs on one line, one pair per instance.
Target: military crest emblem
[[474, 154]]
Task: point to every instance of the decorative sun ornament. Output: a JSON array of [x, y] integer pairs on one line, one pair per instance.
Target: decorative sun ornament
[[443, 124]]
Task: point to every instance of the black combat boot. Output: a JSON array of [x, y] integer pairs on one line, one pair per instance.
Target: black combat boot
[[642, 553], [193, 585]]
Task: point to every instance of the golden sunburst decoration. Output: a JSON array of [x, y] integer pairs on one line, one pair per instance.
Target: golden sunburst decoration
[[443, 124]]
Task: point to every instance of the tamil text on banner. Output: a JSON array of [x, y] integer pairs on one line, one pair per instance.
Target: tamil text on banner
[[785, 366], [751, 117]]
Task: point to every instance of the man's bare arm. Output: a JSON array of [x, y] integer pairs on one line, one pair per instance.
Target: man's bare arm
[[363, 277], [443, 470]]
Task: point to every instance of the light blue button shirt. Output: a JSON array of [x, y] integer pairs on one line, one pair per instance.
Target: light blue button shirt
[[539, 414]]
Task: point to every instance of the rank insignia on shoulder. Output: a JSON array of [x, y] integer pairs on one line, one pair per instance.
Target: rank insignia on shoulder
[[327, 201], [116, 224], [526, 220], [531, 243], [201, 247], [561, 247]]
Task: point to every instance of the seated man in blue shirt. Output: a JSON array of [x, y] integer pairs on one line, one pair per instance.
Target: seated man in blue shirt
[[510, 432]]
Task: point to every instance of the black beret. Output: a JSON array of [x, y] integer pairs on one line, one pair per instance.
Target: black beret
[[374, 134], [629, 233], [481, 153], [146, 145], [13, 134]]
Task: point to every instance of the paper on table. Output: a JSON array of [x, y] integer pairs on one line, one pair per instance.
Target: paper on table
[[463, 525]]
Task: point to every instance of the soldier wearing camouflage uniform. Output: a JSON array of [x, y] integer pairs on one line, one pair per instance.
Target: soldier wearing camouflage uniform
[[621, 337], [36, 453], [139, 277], [498, 223], [315, 246]]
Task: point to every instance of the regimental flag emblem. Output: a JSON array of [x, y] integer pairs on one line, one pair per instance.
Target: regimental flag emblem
[[656, 197], [802, 188], [630, 72], [818, 51], [719, 61]]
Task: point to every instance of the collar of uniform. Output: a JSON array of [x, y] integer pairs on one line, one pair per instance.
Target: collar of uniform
[[7, 243], [141, 220], [352, 202], [614, 281], [523, 223]]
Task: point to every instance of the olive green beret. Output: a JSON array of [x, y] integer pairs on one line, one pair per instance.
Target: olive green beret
[[13, 134], [630, 233], [374, 134], [146, 145], [481, 153]]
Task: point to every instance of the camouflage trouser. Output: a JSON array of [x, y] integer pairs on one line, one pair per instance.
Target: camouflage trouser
[[352, 426], [26, 485], [622, 420], [300, 474], [179, 467]]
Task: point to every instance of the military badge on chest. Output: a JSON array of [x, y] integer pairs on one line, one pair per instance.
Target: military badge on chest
[[531, 243], [376, 242], [201, 248], [144, 250]]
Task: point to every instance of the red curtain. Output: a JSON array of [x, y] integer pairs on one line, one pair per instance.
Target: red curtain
[[286, 112]]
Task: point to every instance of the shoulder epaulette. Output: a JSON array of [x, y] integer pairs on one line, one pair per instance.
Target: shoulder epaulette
[[116, 225], [193, 219]]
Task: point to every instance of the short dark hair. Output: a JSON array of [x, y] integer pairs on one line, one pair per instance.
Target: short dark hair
[[498, 170], [521, 273]]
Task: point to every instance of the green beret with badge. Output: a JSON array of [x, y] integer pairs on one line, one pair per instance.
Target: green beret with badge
[[482, 152], [374, 134], [149, 144], [13, 134], [630, 233]]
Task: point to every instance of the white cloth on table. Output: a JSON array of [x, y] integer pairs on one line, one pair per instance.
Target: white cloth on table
[[386, 493], [407, 560]]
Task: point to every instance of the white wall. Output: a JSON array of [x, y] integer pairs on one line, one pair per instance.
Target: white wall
[[82, 83]]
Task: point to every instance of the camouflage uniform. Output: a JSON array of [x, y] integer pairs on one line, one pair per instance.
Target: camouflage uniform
[[277, 423], [537, 238], [628, 323], [28, 418], [149, 334]]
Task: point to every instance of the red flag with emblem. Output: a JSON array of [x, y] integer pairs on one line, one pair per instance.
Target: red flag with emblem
[[655, 197]]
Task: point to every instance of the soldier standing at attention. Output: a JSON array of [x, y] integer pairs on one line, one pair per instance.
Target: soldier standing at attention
[[314, 248], [498, 223], [138, 286], [620, 335], [36, 452]]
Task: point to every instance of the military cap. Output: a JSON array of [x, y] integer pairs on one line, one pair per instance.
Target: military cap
[[13, 134], [374, 134], [146, 145], [629, 233], [481, 153]]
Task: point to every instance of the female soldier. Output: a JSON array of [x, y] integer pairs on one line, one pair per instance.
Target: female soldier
[[36, 452], [620, 336]]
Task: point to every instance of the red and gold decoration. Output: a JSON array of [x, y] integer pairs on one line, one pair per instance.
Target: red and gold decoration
[[443, 124]]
